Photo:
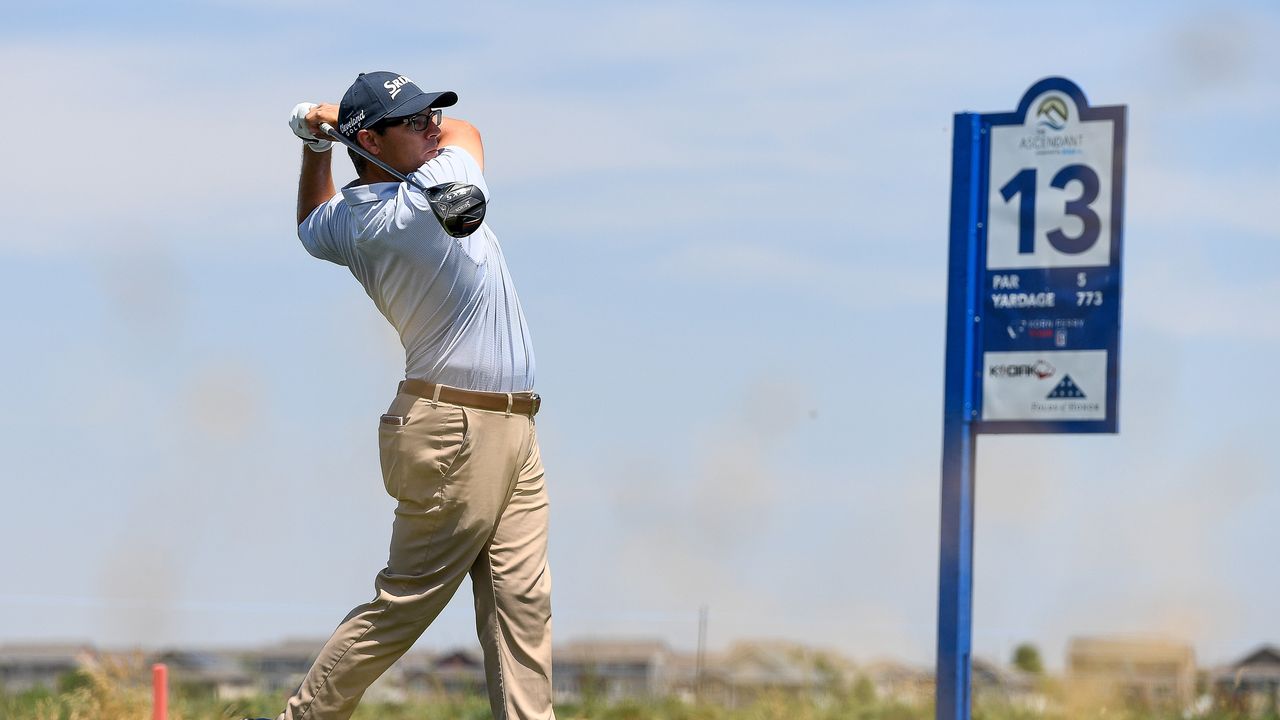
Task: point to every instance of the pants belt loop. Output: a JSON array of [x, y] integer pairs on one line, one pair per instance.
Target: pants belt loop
[[435, 395], [510, 402]]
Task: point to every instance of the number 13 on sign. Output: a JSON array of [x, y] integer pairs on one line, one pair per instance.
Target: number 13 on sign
[[1024, 185], [1050, 192]]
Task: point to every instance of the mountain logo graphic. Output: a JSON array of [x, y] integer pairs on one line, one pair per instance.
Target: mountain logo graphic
[[1067, 389], [1053, 113]]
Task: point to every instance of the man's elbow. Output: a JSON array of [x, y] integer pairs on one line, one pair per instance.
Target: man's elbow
[[456, 126], [474, 145], [461, 133]]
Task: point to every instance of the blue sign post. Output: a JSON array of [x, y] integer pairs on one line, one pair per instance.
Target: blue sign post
[[1033, 310]]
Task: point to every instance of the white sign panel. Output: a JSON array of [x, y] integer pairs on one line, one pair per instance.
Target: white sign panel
[[1062, 385], [1050, 230], [1049, 191]]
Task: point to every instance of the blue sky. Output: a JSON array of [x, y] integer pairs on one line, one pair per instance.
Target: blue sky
[[727, 223]]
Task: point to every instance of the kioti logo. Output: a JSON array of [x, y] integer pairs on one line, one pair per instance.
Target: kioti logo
[[396, 85], [1053, 113], [1039, 369]]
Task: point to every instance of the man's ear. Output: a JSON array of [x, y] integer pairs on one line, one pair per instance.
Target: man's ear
[[369, 141]]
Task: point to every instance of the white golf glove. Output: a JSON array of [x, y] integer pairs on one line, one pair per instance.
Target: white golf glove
[[298, 124]]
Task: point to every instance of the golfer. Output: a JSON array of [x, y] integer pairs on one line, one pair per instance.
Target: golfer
[[458, 445]]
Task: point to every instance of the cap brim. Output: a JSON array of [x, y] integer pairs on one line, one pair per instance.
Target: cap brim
[[422, 101]]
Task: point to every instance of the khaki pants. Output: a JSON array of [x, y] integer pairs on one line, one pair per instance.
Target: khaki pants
[[471, 496]]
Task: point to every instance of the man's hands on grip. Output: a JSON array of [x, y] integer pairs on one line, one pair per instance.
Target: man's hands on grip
[[305, 123]]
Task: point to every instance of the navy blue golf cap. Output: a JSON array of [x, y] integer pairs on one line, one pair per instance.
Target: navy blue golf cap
[[377, 95]]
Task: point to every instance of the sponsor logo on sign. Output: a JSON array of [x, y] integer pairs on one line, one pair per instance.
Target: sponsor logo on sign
[[395, 85], [1053, 113], [1051, 119], [1066, 390], [1039, 369], [1052, 144], [1067, 398]]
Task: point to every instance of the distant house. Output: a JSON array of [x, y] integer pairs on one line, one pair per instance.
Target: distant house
[[1145, 673], [26, 667], [610, 669], [280, 668], [749, 671], [1252, 684], [457, 672], [390, 687], [989, 679], [219, 674], [692, 680], [898, 682], [416, 674]]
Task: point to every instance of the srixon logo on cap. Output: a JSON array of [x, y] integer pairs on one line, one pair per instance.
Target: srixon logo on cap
[[394, 86]]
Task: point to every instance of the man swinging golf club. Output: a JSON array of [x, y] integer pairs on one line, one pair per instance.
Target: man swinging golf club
[[458, 445]]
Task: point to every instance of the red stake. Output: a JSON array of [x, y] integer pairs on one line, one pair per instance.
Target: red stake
[[159, 692]]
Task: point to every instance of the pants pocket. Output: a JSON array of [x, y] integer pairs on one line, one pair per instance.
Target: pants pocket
[[418, 451]]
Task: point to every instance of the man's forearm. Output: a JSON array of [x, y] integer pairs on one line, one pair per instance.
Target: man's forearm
[[315, 183]]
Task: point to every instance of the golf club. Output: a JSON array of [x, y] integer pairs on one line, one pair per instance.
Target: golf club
[[458, 206]]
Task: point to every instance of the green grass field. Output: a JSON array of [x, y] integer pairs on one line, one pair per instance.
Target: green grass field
[[121, 693]]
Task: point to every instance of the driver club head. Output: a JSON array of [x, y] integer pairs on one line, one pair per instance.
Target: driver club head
[[458, 206]]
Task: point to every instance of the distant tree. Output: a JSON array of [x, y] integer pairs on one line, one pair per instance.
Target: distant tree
[[72, 681], [864, 691], [830, 678], [1026, 657]]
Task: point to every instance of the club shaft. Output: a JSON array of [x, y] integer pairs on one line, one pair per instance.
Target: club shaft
[[328, 130]]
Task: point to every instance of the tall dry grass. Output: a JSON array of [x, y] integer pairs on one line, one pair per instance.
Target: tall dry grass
[[120, 690], [115, 689]]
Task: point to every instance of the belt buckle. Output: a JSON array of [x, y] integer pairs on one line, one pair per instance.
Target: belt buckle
[[537, 404]]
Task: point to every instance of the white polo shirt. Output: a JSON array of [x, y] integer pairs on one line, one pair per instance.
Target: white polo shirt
[[451, 299]]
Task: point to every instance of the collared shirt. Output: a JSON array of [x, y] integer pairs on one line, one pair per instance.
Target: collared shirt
[[451, 299]]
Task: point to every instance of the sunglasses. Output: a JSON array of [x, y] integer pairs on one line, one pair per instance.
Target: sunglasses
[[419, 122]]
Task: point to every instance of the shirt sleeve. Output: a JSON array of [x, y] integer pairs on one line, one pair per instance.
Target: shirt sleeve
[[453, 164], [317, 236]]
